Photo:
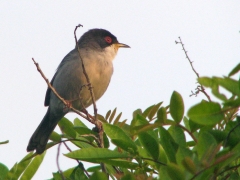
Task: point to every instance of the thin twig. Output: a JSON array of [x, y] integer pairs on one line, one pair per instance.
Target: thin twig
[[201, 89], [93, 136], [90, 88], [57, 159], [228, 136], [229, 168], [189, 132], [98, 124], [63, 100]]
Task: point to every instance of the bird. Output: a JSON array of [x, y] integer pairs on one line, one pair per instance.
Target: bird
[[97, 49]]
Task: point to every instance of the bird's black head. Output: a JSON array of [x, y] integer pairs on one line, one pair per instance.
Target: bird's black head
[[97, 38]]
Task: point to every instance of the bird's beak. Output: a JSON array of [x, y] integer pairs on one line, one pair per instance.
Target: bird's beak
[[121, 45]]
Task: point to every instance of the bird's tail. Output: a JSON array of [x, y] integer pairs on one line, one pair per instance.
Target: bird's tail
[[41, 135]]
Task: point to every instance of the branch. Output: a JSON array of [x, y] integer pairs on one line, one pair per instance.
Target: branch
[[189, 132], [97, 123], [199, 88], [63, 100], [90, 88], [57, 159]]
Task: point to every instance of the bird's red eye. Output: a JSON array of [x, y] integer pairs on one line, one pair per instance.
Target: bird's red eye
[[108, 39]]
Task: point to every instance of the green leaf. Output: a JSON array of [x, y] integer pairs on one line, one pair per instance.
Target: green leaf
[[57, 176], [233, 103], [101, 118], [95, 154], [176, 107], [235, 70], [147, 111], [78, 173], [162, 155], [206, 113], [145, 127], [84, 142], [206, 143], [229, 84], [112, 115], [3, 171], [106, 142], [67, 127], [209, 82], [194, 126], [128, 177], [138, 120], [99, 176], [84, 131], [153, 111], [150, 144], [4, 142], [163, 174], [124, 145], [67, 173], [175, 172], [219, 135], [119, 136], [136, 112], [168, 144], [186, 122], [94, 168], [33, 167], [78, 122], [18, 168], [234, 136], [108, 114], [214, 83], [162, 115], [55, 137], [182, 153], [117, 119], [88, 133], [188, 163], [178, 135]]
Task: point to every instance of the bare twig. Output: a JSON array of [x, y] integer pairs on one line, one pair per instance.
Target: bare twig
[[200, 88], [97, 123], [189, 132], [94, 137], [229, 168], [57, 159], [229, 133], [63, 100], [85, 73]]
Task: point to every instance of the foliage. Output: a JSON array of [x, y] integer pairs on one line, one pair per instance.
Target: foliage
[[159, 143]]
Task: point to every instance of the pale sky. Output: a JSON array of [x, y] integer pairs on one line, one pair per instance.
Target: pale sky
[[144, 75]]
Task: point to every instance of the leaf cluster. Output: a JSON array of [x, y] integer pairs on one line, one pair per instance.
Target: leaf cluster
[[160, 142]]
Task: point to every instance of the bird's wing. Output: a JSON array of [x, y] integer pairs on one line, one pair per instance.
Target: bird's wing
[[65, 59]]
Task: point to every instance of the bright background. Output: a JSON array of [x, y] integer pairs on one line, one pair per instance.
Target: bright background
[[144, 75]]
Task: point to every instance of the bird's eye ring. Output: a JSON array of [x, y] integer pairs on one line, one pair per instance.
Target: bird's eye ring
[[108, 39]]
